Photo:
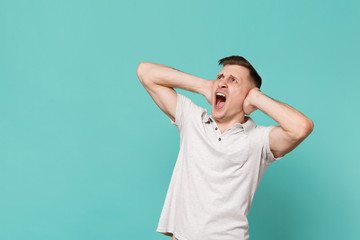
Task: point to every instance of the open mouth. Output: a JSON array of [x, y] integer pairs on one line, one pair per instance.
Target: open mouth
[[220, 100]]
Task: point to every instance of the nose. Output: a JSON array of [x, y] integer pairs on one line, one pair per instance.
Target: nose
[[222, 83]]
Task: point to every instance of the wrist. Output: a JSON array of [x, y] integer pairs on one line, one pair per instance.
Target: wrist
[[256, 98], [206, 87]]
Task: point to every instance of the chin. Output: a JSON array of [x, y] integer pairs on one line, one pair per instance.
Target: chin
[[218, 115]]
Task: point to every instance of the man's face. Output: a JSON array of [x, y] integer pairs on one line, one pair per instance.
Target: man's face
[[233, 82]]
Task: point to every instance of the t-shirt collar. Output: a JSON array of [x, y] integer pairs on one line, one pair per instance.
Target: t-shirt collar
[[247, 126]]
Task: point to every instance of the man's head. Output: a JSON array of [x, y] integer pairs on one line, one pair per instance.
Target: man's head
[[234, 81]]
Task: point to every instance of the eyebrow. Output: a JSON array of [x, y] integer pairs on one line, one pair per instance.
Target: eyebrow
[[223, 75]]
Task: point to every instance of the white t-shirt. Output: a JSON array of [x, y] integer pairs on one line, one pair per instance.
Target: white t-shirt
[[215, 176]]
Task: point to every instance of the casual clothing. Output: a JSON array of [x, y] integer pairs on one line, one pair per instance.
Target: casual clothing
[[215, 176]]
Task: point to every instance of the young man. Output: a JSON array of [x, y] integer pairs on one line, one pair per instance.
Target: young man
[[222, 156]]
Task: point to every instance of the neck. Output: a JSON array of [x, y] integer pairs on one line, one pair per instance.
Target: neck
[[225, 124]]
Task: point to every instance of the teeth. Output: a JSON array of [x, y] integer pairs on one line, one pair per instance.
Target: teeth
[[220, 94]]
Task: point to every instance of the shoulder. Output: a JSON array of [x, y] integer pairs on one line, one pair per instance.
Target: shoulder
[[261, 133], [186, 109], [264, 140], [263, 129]]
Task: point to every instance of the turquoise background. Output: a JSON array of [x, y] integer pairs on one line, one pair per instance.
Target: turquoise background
[[86, 154]]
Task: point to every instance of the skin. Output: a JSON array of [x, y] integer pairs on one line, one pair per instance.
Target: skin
[[243, 97], [235, 82]]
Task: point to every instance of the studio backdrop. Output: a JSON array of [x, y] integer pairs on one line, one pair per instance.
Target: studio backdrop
[[85, 153]]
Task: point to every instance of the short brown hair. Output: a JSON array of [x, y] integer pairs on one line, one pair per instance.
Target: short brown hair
[[238, 60]]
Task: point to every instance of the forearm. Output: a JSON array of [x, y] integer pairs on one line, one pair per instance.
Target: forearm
[[289, 119], [153, 73]]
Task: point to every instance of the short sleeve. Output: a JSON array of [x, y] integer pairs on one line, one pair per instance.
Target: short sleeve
[[184, 110], [268, 155]]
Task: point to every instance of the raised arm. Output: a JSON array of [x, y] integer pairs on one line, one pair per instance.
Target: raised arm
[[294, 125], [159, 81]]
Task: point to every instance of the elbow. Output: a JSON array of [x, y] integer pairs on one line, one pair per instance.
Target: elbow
[[306, 129], [142, 71]]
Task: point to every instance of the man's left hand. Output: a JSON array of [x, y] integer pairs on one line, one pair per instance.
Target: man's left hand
[[248, 105]]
